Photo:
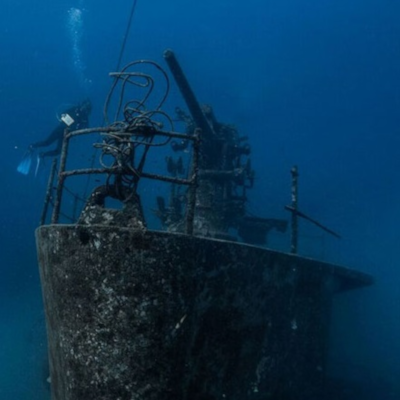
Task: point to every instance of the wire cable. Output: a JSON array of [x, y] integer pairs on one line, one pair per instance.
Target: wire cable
[[121, 54], [128, 28]]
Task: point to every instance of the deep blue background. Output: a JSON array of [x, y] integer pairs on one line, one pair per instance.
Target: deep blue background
[[312, 83]]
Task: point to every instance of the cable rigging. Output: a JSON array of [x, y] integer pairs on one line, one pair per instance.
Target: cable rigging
[[128, 28]]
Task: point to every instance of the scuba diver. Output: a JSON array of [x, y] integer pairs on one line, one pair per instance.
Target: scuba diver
[[76, 117]]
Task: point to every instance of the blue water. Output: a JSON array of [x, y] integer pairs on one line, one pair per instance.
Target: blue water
[[313, 83]]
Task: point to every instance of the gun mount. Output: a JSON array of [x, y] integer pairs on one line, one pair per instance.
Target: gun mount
[[224, 174]]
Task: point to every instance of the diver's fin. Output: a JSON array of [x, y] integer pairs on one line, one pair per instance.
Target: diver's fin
[[25, 165]]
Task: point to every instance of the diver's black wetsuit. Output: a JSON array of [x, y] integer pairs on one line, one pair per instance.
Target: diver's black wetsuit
[[80, 115]]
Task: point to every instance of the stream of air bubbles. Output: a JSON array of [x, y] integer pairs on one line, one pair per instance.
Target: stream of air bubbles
[[75, 26]]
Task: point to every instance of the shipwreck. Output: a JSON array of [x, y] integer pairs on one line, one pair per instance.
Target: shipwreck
[[200, 309]]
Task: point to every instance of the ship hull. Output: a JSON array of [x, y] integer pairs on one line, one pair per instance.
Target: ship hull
[[145, 315]]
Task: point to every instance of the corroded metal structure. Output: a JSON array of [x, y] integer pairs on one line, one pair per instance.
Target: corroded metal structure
[[192, 312]]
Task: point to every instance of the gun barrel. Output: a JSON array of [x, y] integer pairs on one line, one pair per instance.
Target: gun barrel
[[188, 94]]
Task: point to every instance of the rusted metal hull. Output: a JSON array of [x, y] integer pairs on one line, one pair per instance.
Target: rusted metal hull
[[144, 315]]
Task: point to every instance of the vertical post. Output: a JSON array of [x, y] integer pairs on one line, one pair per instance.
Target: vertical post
[[294, 233], [48, 191], [61, 178], [193, 185]]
